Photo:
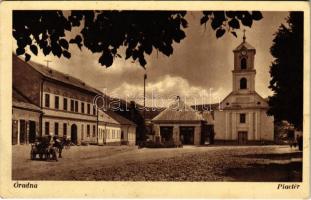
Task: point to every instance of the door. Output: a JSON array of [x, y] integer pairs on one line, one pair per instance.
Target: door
[[14, 131], [187, 135], [32, 131], [74, 135], [166, 133], [242, 137], [122, 135], [22, 131]]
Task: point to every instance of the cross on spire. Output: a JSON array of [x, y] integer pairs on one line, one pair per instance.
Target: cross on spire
[[244, 38]]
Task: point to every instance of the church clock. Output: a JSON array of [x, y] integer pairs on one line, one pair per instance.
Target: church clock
[[243, 52]]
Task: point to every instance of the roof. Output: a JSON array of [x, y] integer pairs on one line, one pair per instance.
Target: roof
[[104, 117], [20, 101], [58, 76], [150, 113], [119, 118], [178, 111], [246, 45], [208, 116], [206, 107]]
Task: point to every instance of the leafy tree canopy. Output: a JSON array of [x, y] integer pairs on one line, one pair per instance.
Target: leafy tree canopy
[[287, 72], [140, 32]]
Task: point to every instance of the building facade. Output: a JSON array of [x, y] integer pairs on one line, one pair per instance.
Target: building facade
[[179, 123], [65, 102], [242, 117], [54, 103], [127, 134], [109, 130], [25, 119]]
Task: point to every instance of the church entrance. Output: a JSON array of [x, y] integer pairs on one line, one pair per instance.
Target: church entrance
[[242, 137], [187, 135]]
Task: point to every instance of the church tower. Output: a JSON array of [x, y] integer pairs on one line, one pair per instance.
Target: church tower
[[244, 72], [243, 117]]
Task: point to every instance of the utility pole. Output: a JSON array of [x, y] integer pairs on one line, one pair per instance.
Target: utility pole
[[145, 77]]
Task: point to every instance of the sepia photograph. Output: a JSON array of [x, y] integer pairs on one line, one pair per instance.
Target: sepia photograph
[[172, 95]]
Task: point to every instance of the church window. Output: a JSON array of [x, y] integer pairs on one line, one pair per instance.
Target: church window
[[243, 83], [242, 118], [243, 63]]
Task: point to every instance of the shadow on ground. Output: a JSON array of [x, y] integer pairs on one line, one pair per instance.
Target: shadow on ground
[[273, 172], [274, 156]]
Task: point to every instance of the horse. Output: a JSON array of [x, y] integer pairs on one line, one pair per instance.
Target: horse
[[66, 142], [44, 149], [59, 145]]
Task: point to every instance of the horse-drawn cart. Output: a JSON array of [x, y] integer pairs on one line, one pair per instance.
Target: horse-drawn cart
[[44, 152], [45, 149]]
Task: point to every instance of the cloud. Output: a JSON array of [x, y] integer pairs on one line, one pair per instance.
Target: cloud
[[199, 62], [165, 90]]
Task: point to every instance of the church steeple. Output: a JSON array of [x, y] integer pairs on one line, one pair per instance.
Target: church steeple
[[244, 72]]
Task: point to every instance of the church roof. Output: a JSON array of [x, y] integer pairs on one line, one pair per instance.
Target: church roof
[[254, 93], [178, 111], [244, 44]]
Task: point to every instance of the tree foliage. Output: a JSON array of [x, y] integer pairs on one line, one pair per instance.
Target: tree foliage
[[287, 72], [222, 21], [132, 113], [140, 32]]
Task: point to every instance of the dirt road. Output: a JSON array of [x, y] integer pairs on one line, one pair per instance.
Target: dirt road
[[214, 163]]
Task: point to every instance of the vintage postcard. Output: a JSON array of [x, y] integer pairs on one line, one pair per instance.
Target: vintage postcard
[[155, 99]]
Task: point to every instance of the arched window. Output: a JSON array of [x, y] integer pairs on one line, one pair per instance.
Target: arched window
[[243, 63], [243, 83]]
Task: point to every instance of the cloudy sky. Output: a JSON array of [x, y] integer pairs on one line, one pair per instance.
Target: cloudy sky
[[200, 65]]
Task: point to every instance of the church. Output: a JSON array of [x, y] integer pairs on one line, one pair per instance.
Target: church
[[240, 118], [242, 115]]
